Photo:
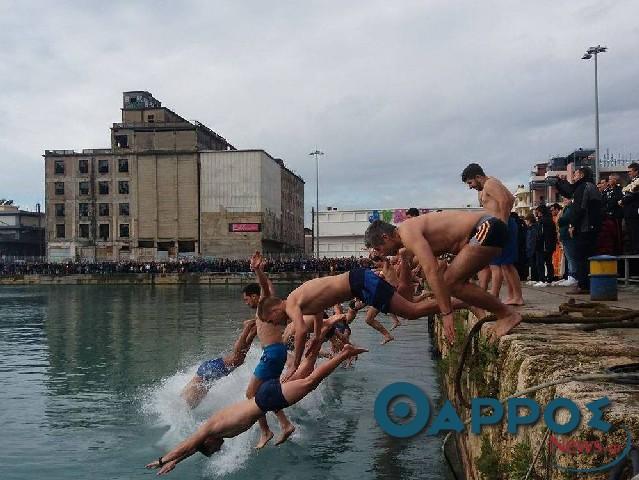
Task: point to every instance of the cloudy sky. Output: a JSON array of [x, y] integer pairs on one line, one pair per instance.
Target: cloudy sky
[[399, 95]]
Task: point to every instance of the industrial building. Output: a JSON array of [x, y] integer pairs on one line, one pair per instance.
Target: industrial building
[[140, 198], [249, 201], [21, 232]]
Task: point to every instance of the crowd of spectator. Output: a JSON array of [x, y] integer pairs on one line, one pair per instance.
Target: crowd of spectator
[[557, 241], [194, 265]]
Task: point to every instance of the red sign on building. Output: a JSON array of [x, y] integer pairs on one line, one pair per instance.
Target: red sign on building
[[245, 227]]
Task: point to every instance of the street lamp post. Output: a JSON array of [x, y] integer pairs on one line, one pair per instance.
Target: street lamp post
[[594, 51], [316, 154]]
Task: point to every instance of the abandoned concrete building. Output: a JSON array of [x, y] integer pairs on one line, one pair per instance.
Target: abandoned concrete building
[[166, 188]]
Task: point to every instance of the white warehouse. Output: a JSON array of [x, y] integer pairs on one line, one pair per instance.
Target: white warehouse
[[341, 232]]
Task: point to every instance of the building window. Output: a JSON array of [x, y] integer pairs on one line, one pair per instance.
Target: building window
[[124, 230], [103, 166], [58, 167], [59, 188], [124, 209], [103, 188], [123, 187], [103, 232], [59, 209], [84, 188], [123, 165], [84, 209], [150, 118], [83, 166], [103, 209], [121, 141], [59, 230], [84, 230]]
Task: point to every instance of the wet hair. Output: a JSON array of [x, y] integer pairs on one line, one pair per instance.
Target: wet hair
[[374, 232], [251, 289], [266, 305], [471, 171], [210, 445], [634, 166], [351, 304], [413, 212]]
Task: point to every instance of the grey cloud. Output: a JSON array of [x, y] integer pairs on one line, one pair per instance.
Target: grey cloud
[[400, 95]]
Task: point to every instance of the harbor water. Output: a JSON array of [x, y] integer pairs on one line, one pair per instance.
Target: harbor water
[[90, 378]]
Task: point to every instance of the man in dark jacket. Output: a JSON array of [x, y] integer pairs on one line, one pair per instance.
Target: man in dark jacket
[[630, 204], [611, 236], [546, 244], [585, 221]]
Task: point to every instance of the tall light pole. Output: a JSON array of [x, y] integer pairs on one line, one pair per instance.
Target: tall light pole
[[594, 51], [316, 154]]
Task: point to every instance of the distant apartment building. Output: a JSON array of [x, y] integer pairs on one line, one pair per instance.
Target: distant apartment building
[[138, 199], [540, 192], [21, 232]]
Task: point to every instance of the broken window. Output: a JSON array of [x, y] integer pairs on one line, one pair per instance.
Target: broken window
[[121, 141], [124, 209], [59, 167], [59, 188], [103, 166], [123, 187], [103, 188], [83, 166], [103, 232], [186, 246], [124, 230], [103, 209], [84, 209], [123, 165], [84, 230], [84, 188], [59, 209], [59, 230]]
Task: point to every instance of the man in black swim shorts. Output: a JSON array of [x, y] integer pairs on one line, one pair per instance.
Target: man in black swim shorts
[[474, 239], [239, 417]]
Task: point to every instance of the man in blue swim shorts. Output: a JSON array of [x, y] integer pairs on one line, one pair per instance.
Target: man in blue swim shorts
[[216, 368], [498, 202], [272, 361]]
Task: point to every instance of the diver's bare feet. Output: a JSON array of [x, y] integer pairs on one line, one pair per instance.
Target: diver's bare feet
[[396, 323], [387, 338], [264, 439], [286, 432], [515, 302], [504, 325]]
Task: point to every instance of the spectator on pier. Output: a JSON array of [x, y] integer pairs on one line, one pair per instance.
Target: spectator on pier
[[630, 204]]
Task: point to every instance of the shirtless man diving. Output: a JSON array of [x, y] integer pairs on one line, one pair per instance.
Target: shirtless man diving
[[214, 369], [272, 360], [474, 237], [498, 201], [318, 294], [235, 419]]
